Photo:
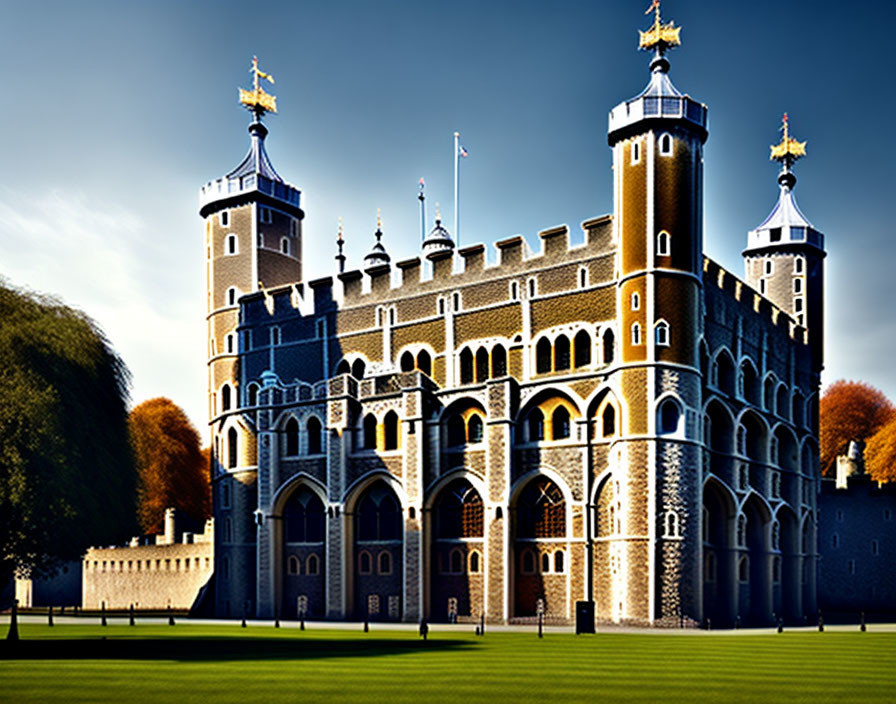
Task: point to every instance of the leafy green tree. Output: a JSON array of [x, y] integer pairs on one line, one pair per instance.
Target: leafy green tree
[[67, 476], [173, 469]]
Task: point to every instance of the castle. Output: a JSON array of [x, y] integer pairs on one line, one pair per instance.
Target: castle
[[623, 425]]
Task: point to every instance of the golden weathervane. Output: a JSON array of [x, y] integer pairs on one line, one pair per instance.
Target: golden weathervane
[[660, 36], [258, 100], [788, 150]]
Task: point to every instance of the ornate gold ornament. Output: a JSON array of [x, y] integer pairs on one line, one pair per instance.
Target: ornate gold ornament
[[660, 36], [258, 100], [788, 149]]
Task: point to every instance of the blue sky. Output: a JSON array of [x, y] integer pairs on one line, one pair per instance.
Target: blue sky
[[114, 114]]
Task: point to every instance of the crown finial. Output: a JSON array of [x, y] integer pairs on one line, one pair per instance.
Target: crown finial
[[257, 100], [660, 36], [786, 153], [379, 223], [438, 213]]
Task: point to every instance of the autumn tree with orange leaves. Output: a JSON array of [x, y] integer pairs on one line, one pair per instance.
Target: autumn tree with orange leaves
[[852, 410], [880, 453], [173, 469]]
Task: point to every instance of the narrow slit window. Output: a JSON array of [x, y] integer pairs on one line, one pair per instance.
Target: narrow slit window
[[636, 334], [663, 244]]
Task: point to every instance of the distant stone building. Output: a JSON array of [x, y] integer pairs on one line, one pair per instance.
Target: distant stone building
[[856, 541], [62, 589], [153, 576], [622, 422]]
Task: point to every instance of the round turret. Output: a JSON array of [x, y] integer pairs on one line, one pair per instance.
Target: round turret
[[437, 241], [377, 256]]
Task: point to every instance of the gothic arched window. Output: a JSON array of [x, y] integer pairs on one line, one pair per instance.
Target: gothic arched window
[[313, 428], [303, 517], [378, 514], [292, 437], [541, 511]]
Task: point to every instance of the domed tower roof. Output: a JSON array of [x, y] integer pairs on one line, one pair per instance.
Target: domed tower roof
[[660, 102], [786, 224], [438, 240], [377, 256]]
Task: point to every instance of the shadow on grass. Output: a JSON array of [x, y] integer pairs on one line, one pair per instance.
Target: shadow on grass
[[217, 649]]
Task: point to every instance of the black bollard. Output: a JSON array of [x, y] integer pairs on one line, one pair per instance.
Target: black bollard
[[680, 620], [276, 623], [424, 629], [709, 624], [366, 626], [780, 625], [243, 624], [13, 621], [302, 622], [50, 616], [170, 616], [131, 615], [477, 630], [103, 613], [820, 622], [540, 625], [862, 622], [482, 624]]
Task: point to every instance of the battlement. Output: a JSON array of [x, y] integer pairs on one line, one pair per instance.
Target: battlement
[[251, 186], [514, 258], [753, 301]]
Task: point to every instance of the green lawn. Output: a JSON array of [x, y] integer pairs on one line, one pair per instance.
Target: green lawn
[[209, 664]]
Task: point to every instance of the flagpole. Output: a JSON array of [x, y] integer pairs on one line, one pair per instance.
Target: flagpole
[[422, 200], [456, 184]]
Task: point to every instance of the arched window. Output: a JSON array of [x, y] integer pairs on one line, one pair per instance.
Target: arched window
[[474, 562], [390, 431], [293, 565], [781, 401], [636, 334], [514, 291], [558, 561], [365, 565], [456, 431], [724, 373], [370, 432], [545, 562], [560, 423], [252, 393], [358, 368], [582, 347], [378, 514], [459, 511], [292, 437], [229, 342], [312, 564], [407, 362], [456, 562], [663, 244], [466, 366], [666, 145], [231, 244], [561, 352], [225, 397], [535, 425], [481, 364], [474, 428], [609, 343], [769, 393], [671, 528], [543, 356], [231, 448], [608, 421], [231, 296], [583, 277], [743, 569], [284, 246], [669, 417], [797, 407], [662, 333], [313, 428], [384, 562], [303, 517], [636, 300], [424, 362], [541, 510], [343, 368], [499, 361]]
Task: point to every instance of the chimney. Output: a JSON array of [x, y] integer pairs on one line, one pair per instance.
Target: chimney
[[169, 526]]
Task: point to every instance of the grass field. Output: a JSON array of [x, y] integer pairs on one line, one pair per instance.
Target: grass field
[[197, 663]]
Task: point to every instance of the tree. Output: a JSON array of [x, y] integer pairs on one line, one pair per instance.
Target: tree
[[173, 469], [67, 476], [849, 410], [880, 453]]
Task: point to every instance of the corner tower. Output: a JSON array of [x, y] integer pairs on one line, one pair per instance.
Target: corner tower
[[784, 258], [657, 140], [253, 237]]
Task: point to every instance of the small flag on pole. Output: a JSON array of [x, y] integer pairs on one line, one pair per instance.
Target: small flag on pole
[[421, 182], [462, 151]]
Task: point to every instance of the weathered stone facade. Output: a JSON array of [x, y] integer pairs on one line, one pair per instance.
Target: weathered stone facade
[[622, 422]]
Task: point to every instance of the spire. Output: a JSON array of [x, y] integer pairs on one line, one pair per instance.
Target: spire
[[377, 256], [258, 102], [786, 224], [340, 257]]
